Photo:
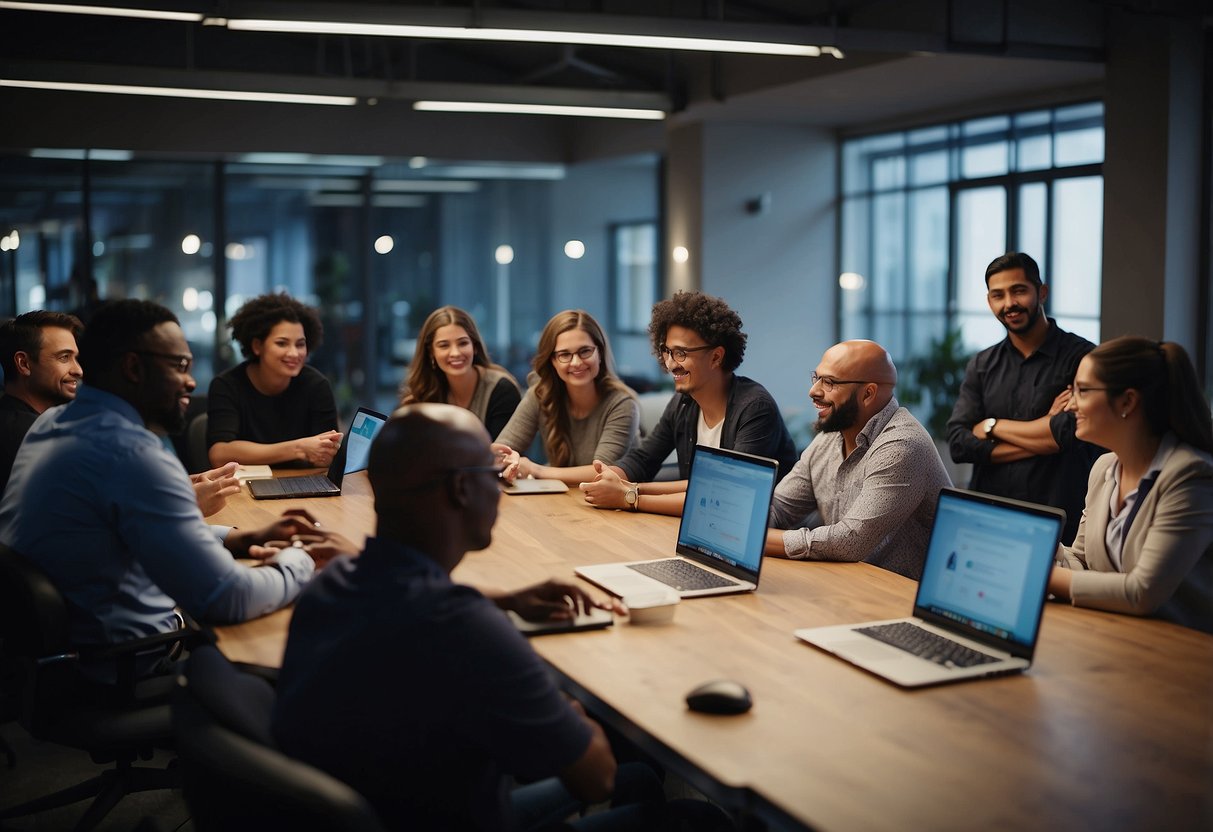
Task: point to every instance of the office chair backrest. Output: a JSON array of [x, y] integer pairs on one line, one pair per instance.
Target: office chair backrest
[[33, 614], [232, 776]]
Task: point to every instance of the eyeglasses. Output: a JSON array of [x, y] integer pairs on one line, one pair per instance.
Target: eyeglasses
[[1076, 391], [181, 363], [566, 357], [680, 353], [828, 384]]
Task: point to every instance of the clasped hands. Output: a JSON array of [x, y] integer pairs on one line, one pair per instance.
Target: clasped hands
[[297, 529], [607, 488], [320, 449]]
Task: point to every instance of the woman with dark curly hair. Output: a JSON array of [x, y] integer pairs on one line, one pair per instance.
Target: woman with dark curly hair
[[273, 409], [699, 341], [574, 401], [452, 365]]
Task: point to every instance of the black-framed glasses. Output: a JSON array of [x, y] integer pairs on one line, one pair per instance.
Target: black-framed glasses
[[566, 357], [1076, 391], [828, 383], [181, 363], [680, 353]]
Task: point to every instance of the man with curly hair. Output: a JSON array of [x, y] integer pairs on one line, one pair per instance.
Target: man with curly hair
[[273, 409], [699, 341]]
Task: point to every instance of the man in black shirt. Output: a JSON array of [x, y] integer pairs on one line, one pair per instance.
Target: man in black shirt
[[1010, 419], [39, 357]]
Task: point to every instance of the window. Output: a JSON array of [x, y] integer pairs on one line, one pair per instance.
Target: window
[[924, 211], [634, 275]]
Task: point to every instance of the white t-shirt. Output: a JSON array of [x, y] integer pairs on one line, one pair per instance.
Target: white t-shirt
[[705, 435]]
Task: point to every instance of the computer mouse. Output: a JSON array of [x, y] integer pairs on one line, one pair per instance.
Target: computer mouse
[[720, 697]]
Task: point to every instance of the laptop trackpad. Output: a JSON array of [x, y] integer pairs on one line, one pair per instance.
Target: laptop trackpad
[[867, 650]]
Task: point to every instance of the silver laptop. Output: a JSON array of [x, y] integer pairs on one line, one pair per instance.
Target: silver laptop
[[720, 539], [979, 602], [352, 456], [529, 486]]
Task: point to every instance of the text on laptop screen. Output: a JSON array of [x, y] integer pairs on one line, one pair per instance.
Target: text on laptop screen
[[358, 443], [725, 515], [987, 566]]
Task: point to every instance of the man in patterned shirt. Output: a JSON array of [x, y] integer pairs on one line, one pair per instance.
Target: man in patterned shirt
[[871, 477]]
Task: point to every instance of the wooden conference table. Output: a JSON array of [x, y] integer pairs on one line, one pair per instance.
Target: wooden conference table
[[1112, 727]]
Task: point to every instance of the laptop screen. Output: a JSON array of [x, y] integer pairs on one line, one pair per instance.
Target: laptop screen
[[356, 444], [724, 519], [987, 565]]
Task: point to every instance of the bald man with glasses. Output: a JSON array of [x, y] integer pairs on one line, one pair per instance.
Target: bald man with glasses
[[871, 477]]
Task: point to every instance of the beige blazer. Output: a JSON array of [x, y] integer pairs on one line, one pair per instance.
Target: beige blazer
[[1168, 555]]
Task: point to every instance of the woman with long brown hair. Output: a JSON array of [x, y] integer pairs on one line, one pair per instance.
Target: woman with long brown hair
[[575, 402], [1145, 543], [452, 365]]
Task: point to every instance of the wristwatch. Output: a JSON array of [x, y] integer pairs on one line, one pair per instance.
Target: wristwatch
[[988, 426], [632, 497]]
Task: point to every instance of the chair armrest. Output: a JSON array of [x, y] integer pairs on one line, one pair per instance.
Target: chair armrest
[[124, 653]]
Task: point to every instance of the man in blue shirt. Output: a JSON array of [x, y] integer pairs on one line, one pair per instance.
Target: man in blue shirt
[[98, 502]]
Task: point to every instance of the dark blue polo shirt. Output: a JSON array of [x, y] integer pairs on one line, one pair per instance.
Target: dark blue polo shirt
[[419, 693]]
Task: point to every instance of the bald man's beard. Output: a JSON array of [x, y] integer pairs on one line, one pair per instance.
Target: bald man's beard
[[841, 417]]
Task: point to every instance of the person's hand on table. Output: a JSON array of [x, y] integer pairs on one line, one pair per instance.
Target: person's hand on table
[[321, 544], [606, 490], [508, 457], [213, 487], [555, 600], [260, 543], [320, 449]]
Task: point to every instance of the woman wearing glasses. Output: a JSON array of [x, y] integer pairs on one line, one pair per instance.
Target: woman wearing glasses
[[273, 409], [452, 365], [1145, 543], [575, 403]]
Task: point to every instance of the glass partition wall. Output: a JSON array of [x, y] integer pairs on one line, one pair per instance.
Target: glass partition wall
[[376, 244]]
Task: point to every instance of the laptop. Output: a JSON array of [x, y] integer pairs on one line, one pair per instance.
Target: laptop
[[352, 456], [979, 603], [720, 539], [529, 486]]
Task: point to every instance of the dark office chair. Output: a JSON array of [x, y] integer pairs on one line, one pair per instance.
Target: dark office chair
[[56, 704], [233, 776], [190, 443]]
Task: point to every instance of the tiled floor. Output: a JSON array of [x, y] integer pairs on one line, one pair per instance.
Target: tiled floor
[[43, 768]]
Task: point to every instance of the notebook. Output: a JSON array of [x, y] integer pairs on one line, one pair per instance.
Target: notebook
[[353, 455], [979, 603], [720, 539]]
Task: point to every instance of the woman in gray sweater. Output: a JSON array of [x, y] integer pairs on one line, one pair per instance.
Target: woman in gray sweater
[[575, 403]]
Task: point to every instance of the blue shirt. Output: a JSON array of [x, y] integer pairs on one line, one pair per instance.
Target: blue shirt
[[109, 514], [419, 693]]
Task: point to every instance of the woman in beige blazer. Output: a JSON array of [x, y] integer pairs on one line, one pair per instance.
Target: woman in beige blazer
[[1145, 542]]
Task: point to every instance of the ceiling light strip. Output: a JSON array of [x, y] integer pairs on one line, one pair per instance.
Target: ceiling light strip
[[106, 11], [334, 27], [537, 109], [181, 92]]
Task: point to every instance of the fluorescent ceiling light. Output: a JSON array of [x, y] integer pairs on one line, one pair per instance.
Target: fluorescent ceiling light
[[107, 11], [426, 186], [537, 109], [345, 160], [96, 154], [336, 27], [180, 92]]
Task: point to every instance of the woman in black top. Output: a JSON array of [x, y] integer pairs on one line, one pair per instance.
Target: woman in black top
[[273, 409]]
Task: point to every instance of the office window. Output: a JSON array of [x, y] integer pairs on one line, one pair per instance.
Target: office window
[[924, 211], [634, 275]]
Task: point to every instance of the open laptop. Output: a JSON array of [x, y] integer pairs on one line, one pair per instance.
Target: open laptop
[[979, 602], [528, 486], [352, 456], [720, 539]]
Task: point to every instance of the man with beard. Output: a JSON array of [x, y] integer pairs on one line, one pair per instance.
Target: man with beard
[[870, 478], [38, 355], [101, 506], [1010, 419]]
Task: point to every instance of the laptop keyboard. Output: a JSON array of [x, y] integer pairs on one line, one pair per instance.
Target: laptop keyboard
[[926, 645], [297, 485], [681, 575]]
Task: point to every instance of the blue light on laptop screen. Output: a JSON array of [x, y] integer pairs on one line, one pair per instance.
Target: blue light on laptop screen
[[358, 443], [726, 509], [987, 567]]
